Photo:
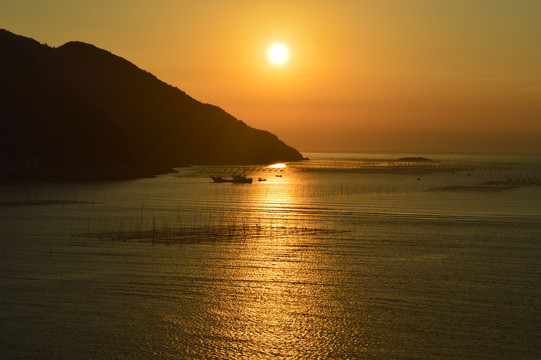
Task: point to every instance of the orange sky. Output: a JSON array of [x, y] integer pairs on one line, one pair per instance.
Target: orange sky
[[432, 75]]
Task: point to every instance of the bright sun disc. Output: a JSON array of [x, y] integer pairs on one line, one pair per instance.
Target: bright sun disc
[[278, 53]]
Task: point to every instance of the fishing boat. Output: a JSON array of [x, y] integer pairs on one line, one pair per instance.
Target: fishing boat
[[237, 179]]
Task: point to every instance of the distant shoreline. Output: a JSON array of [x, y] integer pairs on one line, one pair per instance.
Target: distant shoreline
[[81, 175]]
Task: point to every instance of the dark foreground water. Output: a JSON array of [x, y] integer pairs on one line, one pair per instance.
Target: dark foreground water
[[345, 256]]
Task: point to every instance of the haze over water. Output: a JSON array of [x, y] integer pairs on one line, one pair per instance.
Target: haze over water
[[347, 255], [448, 75]]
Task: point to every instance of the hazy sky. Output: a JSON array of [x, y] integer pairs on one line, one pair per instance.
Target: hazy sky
[[419, 75]]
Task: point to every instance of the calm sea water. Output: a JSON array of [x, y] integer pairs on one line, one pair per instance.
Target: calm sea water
[[345, 256]]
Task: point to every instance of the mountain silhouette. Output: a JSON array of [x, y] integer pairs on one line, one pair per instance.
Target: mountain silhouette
[[78, 108]]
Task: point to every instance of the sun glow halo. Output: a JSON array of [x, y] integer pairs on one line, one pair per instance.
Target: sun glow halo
[[278, 53]]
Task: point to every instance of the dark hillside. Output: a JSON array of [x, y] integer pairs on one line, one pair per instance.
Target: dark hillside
[[78, 106]]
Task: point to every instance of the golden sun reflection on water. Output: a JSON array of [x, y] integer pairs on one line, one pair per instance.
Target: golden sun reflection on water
[[275, 287], [277, 166]]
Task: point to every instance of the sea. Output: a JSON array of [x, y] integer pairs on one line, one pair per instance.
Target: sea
[[342, 256]]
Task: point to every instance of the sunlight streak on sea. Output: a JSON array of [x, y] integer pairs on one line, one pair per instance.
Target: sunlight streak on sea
[[345, 255]]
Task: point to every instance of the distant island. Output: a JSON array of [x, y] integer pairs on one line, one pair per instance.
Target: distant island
[[80, 112], [413, 159]]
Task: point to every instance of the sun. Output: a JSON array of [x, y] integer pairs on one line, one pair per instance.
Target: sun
[[278, 54]]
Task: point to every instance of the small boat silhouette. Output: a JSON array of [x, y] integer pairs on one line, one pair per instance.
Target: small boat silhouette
[[237, 179]]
